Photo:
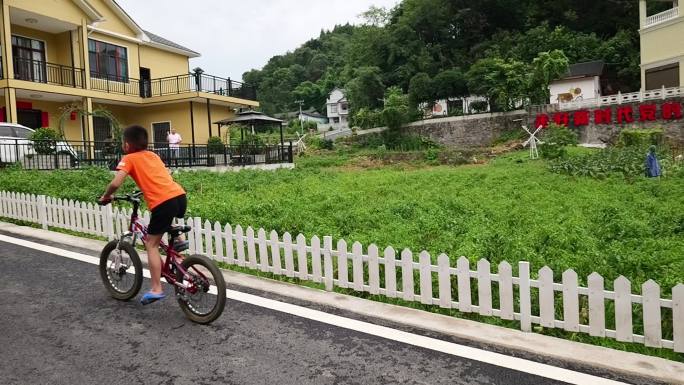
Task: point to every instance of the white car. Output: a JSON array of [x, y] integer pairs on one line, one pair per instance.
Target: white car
[[15, 143]]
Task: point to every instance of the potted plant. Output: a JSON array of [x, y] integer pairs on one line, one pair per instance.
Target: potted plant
[[44, 141], [216, 151]]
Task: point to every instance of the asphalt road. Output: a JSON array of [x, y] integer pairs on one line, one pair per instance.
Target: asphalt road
[[60, 327]]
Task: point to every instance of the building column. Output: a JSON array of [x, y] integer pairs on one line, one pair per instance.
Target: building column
[[209, 117], [83, 51], [6, 32], [11, 105], [643, 13]]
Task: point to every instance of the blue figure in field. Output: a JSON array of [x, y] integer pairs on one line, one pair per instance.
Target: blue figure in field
[[652, 164]]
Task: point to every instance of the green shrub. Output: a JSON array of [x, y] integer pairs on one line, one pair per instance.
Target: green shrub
[[215, 145], [641, 138], [555, 140], [326, 144], [478, 106], [625, 161], [432, 154], [44, 140], [366, 118]]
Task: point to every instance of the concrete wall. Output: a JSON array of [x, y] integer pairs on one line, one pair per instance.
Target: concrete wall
[[469, 131]]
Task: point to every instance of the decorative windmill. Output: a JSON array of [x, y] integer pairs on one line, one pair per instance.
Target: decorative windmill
[[533, 141], [301, 146]]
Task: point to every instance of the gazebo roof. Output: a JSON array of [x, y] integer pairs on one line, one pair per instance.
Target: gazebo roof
[[251, 117]]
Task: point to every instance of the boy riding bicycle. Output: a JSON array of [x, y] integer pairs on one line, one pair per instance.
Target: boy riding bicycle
[[165, 198]]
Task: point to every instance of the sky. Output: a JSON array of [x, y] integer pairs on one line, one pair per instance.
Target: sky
[[236, 36]]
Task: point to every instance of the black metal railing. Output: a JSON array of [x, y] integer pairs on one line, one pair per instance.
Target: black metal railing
[[115, 84], [202, 83], [50, 155], [49, 73]]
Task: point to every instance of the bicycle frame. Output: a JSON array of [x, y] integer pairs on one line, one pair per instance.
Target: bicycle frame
[[138, 230]]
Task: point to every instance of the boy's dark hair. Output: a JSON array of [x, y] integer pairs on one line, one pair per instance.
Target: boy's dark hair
[[136, 137]]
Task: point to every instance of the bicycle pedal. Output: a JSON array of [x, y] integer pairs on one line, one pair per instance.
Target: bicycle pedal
[[181, 246]]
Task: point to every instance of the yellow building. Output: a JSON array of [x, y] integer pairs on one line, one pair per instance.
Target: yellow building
[[662, 45], [91, 53]]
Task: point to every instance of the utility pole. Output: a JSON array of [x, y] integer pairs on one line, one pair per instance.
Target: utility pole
[[301, 120]]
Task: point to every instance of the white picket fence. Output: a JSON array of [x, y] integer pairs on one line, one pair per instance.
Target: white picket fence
[[565, 305]]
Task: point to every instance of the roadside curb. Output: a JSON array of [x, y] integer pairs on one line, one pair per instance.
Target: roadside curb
[[631, 364]]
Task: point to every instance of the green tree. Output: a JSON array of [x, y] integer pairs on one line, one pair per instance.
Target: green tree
[[365, 89], [546, 67], [503, 82], [450, 83], [421, 90], [396, 111]]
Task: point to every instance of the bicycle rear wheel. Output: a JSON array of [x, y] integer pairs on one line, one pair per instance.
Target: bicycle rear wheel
[[121, 270], [199, 302]]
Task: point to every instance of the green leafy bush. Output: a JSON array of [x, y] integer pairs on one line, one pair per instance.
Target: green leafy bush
[[45, 140], [215, 145], [556, 138], [641, 138], [366, 118], [625, 161], [479, 106]]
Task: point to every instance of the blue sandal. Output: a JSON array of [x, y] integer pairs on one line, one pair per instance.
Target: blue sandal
[[150, 297]]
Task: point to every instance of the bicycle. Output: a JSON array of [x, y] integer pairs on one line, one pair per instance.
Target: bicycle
[[195, 278]]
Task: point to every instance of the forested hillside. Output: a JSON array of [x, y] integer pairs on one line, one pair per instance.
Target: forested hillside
[[441, 48]]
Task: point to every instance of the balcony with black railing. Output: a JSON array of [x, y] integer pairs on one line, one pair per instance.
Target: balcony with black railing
[[68, 76], [172, 85], [48, 73]]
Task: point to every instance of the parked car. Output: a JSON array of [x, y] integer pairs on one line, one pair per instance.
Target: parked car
[[15, 144]]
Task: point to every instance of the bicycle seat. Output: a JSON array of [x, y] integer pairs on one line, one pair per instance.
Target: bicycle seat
[[175, 231]]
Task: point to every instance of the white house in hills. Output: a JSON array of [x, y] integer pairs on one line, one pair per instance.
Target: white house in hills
[[338, 109]]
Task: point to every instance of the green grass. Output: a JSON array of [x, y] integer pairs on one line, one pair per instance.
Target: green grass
[[511, 209]]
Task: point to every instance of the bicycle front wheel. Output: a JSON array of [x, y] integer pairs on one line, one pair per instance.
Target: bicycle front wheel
[[205, 297], [121, 270]]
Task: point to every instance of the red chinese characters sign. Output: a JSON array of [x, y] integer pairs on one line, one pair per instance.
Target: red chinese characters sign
[[620, 115]]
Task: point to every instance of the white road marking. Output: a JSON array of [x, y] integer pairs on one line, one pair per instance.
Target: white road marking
[[501, 360]]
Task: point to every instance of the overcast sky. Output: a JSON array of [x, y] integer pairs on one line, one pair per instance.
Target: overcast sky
[[236, 36]]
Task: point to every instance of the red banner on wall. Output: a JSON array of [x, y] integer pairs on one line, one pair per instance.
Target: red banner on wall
[[621, 115]]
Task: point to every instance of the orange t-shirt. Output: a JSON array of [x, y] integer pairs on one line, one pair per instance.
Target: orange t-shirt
[[151, 176]]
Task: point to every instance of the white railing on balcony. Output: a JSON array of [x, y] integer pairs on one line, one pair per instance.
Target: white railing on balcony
[[661, 17], [620, 98]]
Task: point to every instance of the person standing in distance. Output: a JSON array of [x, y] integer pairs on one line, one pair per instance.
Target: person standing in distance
[[175, 141]]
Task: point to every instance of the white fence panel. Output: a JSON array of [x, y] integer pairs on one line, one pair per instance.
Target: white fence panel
[[357, 266], [373, 270], [597, 306], [331, 267], [425, 278], [506, 291], [652, 321], [570, 301], [484, 287], [463, 274], [444, 279], [407, 275], [623, 310]]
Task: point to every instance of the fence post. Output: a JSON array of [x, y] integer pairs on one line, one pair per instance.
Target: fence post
[[42, 212], [663, 92], [525, 299], [678, 317], [327, 263], [108, 219]]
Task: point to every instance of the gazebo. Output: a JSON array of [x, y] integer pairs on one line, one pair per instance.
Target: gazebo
[[254, 120]]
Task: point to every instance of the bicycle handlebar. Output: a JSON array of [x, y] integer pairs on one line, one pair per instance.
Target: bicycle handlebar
[[133, 197]]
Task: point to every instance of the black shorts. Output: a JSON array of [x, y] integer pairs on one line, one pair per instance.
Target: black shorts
[[163, 215]]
